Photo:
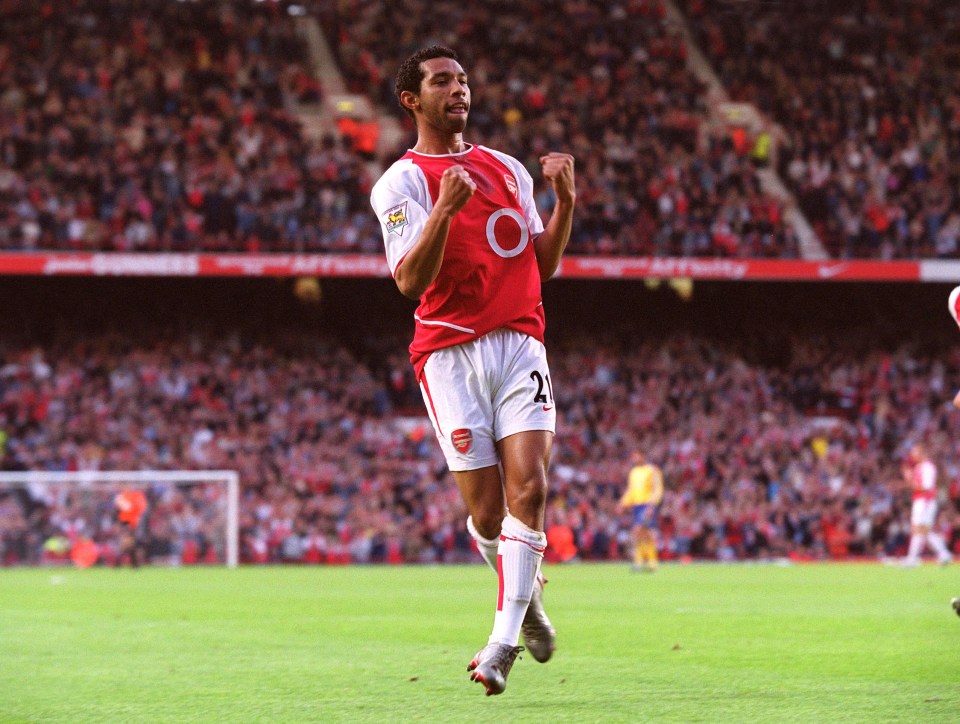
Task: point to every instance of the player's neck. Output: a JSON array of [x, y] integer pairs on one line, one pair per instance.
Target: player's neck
[[440, 145]]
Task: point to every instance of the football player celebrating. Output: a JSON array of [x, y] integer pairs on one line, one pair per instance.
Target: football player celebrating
[[463, 236]]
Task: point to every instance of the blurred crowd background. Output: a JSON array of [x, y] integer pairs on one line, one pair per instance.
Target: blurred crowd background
[[781, 434], [188, 126], [701, 128]]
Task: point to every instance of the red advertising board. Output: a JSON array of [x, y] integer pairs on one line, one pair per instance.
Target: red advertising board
[[373, 265]]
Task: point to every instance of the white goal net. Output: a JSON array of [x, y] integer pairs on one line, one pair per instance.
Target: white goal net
[[188, 516]]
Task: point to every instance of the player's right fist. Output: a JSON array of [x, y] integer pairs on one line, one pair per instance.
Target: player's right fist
[[456, 188]]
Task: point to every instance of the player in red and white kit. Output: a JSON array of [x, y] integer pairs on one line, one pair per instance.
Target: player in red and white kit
[[953, 304], [921, 474], [463, 236]]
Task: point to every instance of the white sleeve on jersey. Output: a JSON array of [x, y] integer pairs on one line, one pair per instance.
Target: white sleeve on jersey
[[525, 188], [953, 306], [402, 202], [928, 475]]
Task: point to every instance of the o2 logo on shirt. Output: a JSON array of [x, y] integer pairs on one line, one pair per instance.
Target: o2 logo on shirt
[[492, 232], [395, 219]]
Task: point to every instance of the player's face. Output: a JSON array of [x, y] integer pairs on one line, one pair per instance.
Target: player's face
[[444, 95]]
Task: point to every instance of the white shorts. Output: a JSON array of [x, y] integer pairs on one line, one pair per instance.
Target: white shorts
[[923, 512], [483, 391]]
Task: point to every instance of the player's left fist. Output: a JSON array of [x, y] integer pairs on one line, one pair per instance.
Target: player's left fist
[[558, 170]]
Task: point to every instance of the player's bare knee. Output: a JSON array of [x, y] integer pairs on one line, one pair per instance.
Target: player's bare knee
[[528, 497], [487, 523], [487, 514]]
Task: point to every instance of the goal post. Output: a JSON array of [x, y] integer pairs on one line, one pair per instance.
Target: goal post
[[116, 480]]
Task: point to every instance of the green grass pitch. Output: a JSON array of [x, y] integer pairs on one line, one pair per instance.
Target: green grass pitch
[[697, 643]]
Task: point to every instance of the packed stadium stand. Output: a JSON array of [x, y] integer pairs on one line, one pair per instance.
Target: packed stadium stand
[[166, 126], [183, 126], [866, 96], [180, 126]]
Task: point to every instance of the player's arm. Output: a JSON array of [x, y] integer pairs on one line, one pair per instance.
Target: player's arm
[[907, 472], [549, 245], [626, 500], [422, 263], [956, 400], [656, 495]]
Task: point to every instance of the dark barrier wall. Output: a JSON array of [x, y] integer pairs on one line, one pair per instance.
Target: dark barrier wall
[[755, 314]]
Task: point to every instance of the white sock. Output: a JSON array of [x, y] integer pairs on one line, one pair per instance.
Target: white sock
[[487, 547], [519, 556], [916, 548], [936, 542]]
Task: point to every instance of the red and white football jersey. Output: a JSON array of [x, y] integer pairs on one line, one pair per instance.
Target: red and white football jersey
[[489, 277], [925, 481]]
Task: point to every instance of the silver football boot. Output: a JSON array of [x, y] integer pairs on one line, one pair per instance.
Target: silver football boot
[[539, 635], [491, 666]]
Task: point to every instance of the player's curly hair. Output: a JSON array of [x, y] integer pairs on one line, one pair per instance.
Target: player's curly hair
[[410, 74]]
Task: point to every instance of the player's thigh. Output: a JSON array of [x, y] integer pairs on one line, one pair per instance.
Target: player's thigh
[[460, 408], [525, 455]]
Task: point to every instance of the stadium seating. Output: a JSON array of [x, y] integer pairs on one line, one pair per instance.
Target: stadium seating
[[156, 136], [866, 95], [167, 126], [338, 462]]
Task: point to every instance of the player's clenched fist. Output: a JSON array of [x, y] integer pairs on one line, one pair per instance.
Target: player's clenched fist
[[558, 170], [456, 188]]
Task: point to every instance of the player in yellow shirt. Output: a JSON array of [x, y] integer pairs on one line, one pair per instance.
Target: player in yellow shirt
[[643, 495]]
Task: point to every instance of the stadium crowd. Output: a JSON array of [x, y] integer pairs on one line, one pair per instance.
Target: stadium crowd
[[162, 126], [795, 458], [173, 126], [867, 96]]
